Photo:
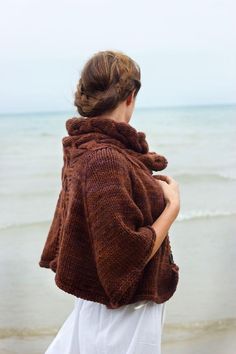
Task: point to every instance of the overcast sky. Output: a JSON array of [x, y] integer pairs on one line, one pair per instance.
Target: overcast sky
[[186, 49]]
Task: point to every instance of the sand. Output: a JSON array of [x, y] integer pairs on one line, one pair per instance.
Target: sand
[[221, 342]]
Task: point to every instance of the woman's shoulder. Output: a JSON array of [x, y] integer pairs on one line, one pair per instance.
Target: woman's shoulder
[[104, 169], [103, 161], [105, 156]]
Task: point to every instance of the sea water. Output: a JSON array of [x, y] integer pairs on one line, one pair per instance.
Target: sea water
[[200, 146]]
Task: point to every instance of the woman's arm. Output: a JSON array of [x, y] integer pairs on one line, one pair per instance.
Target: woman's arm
[[162, 225]]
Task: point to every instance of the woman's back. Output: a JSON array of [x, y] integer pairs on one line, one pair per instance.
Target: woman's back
[[101, 235]]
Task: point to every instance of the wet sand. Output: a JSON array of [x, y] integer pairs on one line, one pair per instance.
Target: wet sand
[[221, 342]]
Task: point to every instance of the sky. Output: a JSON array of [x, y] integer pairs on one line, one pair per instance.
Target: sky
[[186, 50]]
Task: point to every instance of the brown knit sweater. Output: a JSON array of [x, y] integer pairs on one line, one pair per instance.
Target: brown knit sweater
[[101, 235]]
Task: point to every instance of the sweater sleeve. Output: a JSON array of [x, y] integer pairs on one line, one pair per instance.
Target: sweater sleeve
[[121, 243]]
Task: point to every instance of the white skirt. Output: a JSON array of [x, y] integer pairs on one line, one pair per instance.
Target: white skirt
[[92, 328]]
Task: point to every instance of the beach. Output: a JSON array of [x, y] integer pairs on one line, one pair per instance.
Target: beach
[[222, 341], [199, 144]]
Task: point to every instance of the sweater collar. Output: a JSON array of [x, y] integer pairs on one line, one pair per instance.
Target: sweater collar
[[84, 132]]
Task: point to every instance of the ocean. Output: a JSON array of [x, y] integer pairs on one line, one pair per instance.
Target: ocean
[[200, 146]]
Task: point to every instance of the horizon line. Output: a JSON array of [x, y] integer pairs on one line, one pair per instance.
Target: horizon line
[[136, 108]]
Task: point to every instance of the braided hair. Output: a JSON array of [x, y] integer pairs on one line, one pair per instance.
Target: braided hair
[[107, 79]]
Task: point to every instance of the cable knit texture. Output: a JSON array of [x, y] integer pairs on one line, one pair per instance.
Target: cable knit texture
[[101, 235]]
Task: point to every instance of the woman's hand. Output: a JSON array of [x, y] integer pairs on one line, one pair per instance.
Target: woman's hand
[[170, 189]]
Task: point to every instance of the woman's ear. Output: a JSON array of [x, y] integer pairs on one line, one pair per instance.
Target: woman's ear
[[130, 98]]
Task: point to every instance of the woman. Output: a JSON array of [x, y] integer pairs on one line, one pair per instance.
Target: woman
[[108, 242]]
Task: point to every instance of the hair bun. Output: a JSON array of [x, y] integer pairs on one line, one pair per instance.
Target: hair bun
[[107, 79]]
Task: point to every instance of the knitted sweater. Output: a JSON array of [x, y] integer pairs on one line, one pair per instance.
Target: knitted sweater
[[101, 236]]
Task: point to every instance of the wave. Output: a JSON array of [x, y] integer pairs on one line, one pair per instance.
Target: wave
[[183, 329], [217, 177], [26, 332], [203, 214], [26, 224], [46, 134], [29, 194], [191, 215]]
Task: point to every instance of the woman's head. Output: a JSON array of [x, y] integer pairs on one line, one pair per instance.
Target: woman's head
[[107, 79]]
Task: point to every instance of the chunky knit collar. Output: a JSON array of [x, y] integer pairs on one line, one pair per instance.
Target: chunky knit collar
[[85, 132]]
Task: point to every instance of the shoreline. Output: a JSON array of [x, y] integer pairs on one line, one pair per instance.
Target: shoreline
[[218, 342]]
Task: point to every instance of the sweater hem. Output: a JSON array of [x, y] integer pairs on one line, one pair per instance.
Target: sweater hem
[[48, 265], [87, 295], [84, 294]]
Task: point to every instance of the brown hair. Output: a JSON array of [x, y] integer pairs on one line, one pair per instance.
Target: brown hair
[[107, 78]]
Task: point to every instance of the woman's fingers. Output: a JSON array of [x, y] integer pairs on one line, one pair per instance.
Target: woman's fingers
[[167, 179], [164, 178]]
